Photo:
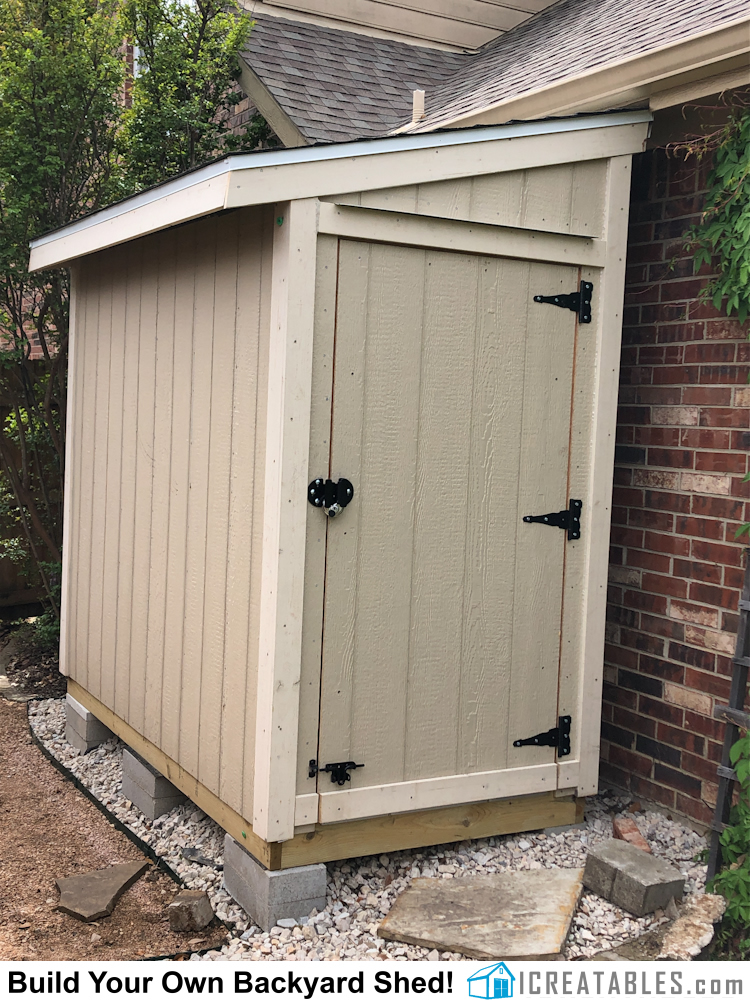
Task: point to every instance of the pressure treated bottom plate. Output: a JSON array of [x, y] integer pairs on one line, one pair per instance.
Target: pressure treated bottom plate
[[521, 915]]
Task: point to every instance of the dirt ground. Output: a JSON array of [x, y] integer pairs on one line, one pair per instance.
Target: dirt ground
[[48, 830]]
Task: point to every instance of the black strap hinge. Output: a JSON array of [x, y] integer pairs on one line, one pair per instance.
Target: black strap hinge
[[578, 302], [559, 737], [339, 772], [569, 520]]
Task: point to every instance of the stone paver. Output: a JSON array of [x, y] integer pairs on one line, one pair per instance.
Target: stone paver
[[628, 877], [520, 915], [94, 895]]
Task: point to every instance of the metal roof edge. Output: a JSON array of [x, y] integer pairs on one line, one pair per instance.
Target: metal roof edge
[[206, 189]]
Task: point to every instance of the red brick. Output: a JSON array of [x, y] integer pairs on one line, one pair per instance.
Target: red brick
[[656, 667], [668, 437], [623, 477], [671, 458], [718, 416], [648, 560], [642, 641], [723, 328], [699, 766], [627, 496], [741, 440], [700, 658], [695, 809], [645, 253], [708, 683], [659, 395], [677, 779], [719, 461], [716, 507], [703, 395], [659, 710], [629, 537], [665, 543], [740, 488], [672, 291], [633, 415], [613, 775], [645, 602], [733, 578], [658, 520], [649, 790], [704, 594], [700, 437], [624, 435], [672, 587], [723, 374], [707, 353], [680, 738], [690, 570], [729, 622], [677, 375], [676, 332], [632, 762], [699, 527], [702, 724], [726, 555], [662, 626], [667, 501], [620, 696], [623, 616], [621, 657], [632, 722]]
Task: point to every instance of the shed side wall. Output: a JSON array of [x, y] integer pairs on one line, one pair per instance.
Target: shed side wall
[[166, 512]]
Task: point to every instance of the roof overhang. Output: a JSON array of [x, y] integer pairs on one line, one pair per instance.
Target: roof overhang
[[273, 176], [702, 64]]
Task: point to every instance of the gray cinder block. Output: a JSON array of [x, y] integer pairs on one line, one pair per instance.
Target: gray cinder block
[[628, 877], [269, 896], [82, 729], [146, 788]]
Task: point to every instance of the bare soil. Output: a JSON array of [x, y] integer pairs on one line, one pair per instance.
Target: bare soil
[[34, 672], [48, 830]]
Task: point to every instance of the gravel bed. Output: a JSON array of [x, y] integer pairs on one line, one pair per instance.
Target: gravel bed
[[361, 891]]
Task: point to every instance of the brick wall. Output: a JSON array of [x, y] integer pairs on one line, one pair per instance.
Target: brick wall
[[675, 567]]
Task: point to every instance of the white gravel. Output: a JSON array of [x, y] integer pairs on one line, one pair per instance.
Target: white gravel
[[361, 891]]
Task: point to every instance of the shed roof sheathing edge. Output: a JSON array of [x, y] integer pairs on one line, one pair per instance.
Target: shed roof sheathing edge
[[271, 176]]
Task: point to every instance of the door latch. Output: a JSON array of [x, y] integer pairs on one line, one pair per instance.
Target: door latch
[[559, 737], [332, 497], [579, 302], [569, 520], [339, 772]]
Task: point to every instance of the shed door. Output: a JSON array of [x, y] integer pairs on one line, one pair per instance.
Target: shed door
[[451, 417]]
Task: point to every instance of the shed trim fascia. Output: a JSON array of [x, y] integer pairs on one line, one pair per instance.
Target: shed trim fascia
[[615, 82], [280, 175]]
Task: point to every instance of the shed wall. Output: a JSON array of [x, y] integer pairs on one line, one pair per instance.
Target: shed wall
[[564, 198], [167, 460]]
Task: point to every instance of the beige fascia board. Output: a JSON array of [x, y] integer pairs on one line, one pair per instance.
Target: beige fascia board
[[269, 107], [613, 85], [303, 17], [273, 176], [696, 89]]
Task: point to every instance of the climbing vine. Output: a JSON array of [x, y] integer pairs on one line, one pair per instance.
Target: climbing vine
[[723, 235]]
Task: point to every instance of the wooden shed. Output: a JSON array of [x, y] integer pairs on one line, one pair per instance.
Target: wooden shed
[[352, 330]]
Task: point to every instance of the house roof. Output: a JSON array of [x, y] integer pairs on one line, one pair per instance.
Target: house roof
[[577, 55], [338, 85], [567, 40]]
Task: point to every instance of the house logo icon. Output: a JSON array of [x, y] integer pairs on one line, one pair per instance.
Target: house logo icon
[[492, 981]]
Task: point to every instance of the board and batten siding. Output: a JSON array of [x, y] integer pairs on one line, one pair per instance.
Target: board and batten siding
[[563, 198], [165, 514]]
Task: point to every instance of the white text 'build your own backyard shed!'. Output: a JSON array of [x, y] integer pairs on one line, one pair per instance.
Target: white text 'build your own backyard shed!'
[[417, 336]]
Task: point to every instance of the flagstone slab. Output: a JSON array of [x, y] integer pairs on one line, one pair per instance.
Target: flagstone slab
[[521, 915], [94, 895]]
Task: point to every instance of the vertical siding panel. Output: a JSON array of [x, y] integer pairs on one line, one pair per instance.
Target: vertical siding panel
[[547, 198], [123, 666], [219, 475], [488, 600], [195, 564], [111, 511], [496, 199], [160, 497], [315, 544], [179, 489], [248, 778], [76, 664], [400, 199], [88, 451], [444, 439], [543, 484], [346, 459], [587, 198], [239, 656], [144, 472], [447, 199]]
